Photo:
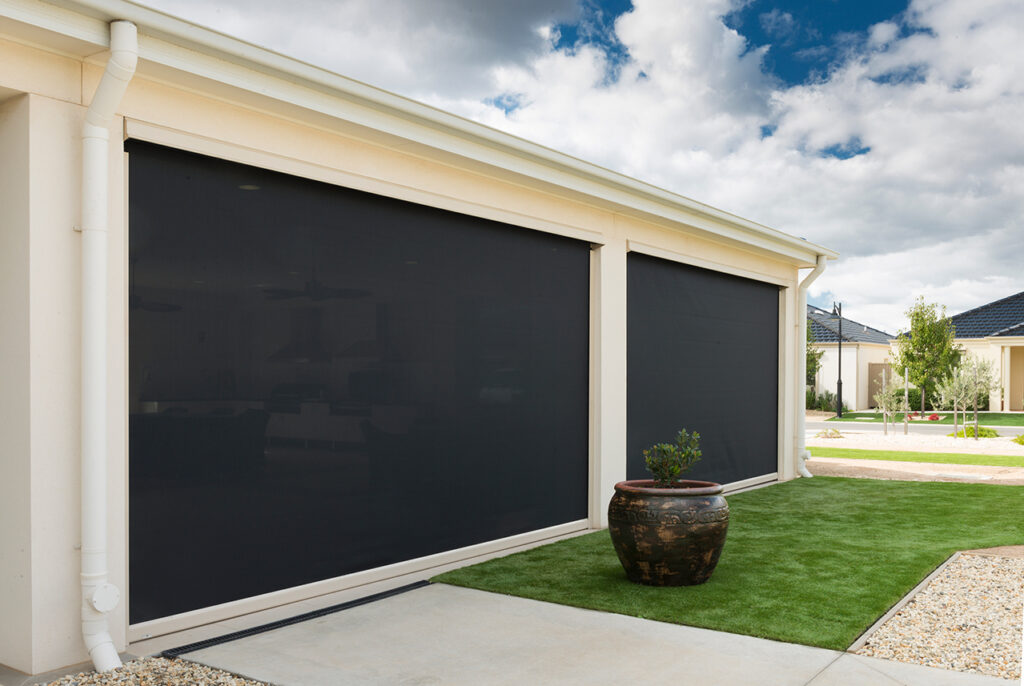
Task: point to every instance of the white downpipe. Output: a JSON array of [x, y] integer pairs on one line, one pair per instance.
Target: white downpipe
[[98, 595], [801, 416]]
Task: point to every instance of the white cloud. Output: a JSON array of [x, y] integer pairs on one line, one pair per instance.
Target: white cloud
[[413, 47], [883, 33], [777, 24], [932, 98], [933, 207]]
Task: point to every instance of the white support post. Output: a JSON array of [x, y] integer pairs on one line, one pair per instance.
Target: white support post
[[608, 380]]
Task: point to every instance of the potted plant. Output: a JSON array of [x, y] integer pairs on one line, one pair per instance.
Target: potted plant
[[667, 531]]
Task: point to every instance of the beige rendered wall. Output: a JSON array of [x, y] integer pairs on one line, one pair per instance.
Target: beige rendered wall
[[993, 352], [828, 373], [15, 481], [1015, 400], [189, 120], [55, 380], [791, 385], [40, 363], [54, 373], [868, 354]]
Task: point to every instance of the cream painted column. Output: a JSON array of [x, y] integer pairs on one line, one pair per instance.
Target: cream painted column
[[789, 400], [15, 354], [51, 293], [860, 373], [54, 277], [608, 376], [1002, 400]]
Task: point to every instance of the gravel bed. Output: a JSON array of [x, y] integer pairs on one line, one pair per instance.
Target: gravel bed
[[157, 671], [968, 619]]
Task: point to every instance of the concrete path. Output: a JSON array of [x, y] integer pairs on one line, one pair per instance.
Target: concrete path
[[446, 635]]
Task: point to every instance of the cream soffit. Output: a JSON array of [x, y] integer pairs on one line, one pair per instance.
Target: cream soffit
[[168, 43]]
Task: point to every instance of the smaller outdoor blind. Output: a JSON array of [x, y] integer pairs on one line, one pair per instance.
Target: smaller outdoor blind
[[703, 353]]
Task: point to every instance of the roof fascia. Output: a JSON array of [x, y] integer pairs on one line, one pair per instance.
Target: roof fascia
[[173, 43], [996, 340]]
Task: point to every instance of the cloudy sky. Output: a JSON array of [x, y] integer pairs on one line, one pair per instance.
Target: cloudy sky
[[888, 130]]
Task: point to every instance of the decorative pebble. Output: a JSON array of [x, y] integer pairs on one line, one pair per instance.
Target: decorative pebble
[[968, 619], [157, 671]]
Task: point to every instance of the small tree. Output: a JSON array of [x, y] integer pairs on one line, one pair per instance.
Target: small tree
[[980, 380], [813, 358], [926, 350], [892, 402], [954, 391]]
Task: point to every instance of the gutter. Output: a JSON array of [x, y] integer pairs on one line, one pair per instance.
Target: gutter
[[98, 595], [801, 440]]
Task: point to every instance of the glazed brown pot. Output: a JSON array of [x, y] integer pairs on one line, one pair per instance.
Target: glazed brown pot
[[668, 536]]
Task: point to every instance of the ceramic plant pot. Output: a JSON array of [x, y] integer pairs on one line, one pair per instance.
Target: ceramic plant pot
[[668, 536]]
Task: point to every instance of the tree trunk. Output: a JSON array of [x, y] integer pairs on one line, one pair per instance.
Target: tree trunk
[[922, 400]]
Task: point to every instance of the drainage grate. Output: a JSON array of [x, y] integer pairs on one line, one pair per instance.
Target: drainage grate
[[172, 653]]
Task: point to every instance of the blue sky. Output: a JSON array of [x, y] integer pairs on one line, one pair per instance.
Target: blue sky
[[807, 36], [803, 37], [888, 131]]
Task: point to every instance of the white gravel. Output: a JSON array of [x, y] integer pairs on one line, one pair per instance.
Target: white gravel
[[157, 671], [967, 619]]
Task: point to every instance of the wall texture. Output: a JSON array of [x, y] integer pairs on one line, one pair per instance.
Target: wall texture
[[15, 480], [1016, 390]]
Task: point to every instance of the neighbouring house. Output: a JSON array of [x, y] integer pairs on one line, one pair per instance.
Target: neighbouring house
[[865, 353], [996, 332], [276, 339]]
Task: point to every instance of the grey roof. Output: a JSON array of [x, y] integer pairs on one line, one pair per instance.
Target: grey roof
[[825, 329], [1000, 318]]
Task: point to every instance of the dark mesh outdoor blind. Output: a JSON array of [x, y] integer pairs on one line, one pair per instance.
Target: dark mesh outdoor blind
[[703, 353], [324, 381]]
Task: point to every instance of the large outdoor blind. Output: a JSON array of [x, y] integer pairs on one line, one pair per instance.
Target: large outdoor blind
[[324, 381], [703, 353]]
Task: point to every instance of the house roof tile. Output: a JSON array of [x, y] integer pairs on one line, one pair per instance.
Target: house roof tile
[[825, 329], [1000, 318]]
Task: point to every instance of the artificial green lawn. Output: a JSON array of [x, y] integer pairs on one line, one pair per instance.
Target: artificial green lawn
[[811, 561], [984, 418], [940, 458]]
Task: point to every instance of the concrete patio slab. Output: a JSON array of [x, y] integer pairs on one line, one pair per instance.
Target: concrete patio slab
[[447, 635]]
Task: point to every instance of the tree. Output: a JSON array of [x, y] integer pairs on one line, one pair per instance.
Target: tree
[[891, 400], [980, 379], [955, 391], [813, 357], [926, 350]]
